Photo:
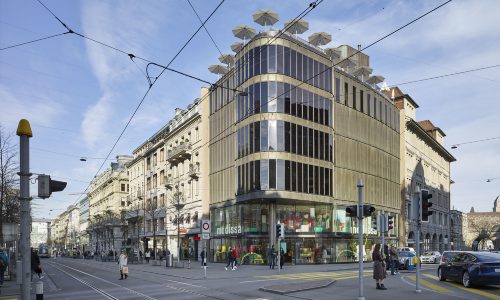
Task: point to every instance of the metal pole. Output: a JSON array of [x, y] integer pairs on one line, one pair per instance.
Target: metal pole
[[24, 133], [384, 227], [418, 214], [360, 240], [279, 255]]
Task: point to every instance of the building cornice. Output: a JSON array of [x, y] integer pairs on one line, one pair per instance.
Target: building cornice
[[420, 132]]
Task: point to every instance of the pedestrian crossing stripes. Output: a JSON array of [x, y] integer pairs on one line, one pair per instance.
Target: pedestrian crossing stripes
[[337, 275]]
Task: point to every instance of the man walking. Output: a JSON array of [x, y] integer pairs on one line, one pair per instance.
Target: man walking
[[271, 257], [147, 255], [229, 259], [394, 261], [202, 256]]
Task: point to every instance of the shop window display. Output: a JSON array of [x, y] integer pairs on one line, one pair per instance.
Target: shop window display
[[298, 218]]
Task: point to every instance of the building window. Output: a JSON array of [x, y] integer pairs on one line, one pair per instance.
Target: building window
[[123, 187], [354, 98], [361, 101], [337, 90], [346, 93]]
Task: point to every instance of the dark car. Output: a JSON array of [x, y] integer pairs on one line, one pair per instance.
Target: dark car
[[472, 268]]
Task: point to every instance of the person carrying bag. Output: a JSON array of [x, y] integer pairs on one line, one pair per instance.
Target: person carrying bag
[[122, 262]]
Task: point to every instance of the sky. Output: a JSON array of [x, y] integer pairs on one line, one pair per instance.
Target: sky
[[78, 95]]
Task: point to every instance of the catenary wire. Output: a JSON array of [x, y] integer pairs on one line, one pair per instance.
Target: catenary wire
[[445, 75], [198, 16], [477, 141], [33, 41]]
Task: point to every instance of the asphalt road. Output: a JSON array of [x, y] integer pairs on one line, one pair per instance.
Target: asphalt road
[[79, 279]]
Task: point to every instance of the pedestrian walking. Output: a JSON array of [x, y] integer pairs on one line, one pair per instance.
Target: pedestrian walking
[[36, 267], [147, 255], [122, 263], [234, 257], [378, 267], [271, 257], [202, 256], [229, 258], [282, 258], [4, 263], [394, 261]]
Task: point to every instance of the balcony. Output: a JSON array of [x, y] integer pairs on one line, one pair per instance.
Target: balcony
[[194, 171], [169, 182], [179, 153]]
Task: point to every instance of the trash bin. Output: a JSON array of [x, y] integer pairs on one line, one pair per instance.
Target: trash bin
[[169, 261]]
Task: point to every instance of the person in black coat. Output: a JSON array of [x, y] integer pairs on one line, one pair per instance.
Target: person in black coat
[[35, 265]]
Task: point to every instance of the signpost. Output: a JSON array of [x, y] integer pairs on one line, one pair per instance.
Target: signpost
[[205, 235]]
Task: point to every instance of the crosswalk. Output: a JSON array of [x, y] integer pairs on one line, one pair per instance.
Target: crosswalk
[[337, 275]]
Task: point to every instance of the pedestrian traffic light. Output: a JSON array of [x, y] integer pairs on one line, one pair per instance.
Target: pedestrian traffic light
[[368, 210], [280, 231], [389, 222], [352, 211], [375, 224], [46, 186], [426, 204]]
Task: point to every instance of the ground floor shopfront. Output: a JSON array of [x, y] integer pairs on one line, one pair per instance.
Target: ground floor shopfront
[[314, 233]]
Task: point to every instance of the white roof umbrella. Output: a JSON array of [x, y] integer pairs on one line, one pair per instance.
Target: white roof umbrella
[[218, 69], [244, 32], [375, 79], [265, 17], [297, 26], [320, 38], [333, 53], [362, 72], [227, 59], [347, 63], [236, 46]]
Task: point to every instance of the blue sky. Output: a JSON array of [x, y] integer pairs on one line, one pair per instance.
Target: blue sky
[[78, 95]]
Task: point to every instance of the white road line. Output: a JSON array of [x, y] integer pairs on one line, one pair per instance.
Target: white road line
[[109, 282], [259, 280], [88, 284], [185, 283]]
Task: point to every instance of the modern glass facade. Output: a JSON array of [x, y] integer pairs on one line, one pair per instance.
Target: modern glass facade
[[277, 163]]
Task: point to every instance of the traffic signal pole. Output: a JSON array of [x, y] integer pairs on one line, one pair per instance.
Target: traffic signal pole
[[418, 212], [360, 240], [24, 133]]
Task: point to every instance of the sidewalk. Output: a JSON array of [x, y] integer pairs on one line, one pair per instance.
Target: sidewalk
[[9, 290], [217, 271]]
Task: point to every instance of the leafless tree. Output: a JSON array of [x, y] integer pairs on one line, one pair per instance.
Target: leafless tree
[[484, 230], [152, 212], [135, 217], [177, 203], [9, 206]]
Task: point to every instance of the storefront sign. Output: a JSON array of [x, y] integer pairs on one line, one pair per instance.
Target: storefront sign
[[228, 229]]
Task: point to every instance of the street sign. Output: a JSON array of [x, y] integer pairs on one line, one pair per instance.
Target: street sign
[[205, 226], [205, 236]]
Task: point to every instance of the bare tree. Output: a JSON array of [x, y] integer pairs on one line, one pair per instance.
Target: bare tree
[[135, 217], [9, 206], [483, 230], [153, 212], [177, 203]]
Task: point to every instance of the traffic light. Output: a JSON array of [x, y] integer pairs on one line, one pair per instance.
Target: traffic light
[[368, 210], [426, 204], [47, 186], [352, 211], [375, 223], [280, 231], [389, 222]]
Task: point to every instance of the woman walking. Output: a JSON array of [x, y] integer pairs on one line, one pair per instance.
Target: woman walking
[[122, 262], [378, 267]]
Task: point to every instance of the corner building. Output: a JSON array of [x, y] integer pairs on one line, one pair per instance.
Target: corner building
[[289, 138]]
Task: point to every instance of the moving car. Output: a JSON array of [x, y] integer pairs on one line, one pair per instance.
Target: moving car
[[447, 255], [431, 257], [472, 268], [405, 258]]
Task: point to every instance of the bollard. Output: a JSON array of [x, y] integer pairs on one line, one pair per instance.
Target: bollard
[[39, 290], [189, 264]]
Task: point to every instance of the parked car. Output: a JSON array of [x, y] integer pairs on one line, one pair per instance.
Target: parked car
[[406, 249], [405, 257], [472, 268], [431, 257], [447, 255]]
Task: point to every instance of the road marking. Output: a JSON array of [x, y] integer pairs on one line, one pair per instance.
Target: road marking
[[185, 283], [431, 285], [259, 280], [88, 284], [474, 291], [314, 276], [109, 282]]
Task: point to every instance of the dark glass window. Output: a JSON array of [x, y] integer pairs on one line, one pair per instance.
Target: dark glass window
[[280, 174], [293, 63], [293, 101], [299, 66], [337, 89], [256, 60], [257, 174], [256, 97], [293, 138], [321, 181], [300, 140], [280, 134], [250, 62], [263, 97], [310, 101], [279, 59], [305, 182], [263, 59], [272, 59], [264, 174], [320, 110], [256, 131], [316, 179], [361, 101], [310, 74], [299, 102], [287, 175], [368, 104], [315, 106], [346, 93], [375, 107], [247, 69], [311, 141], [380, 111], [321, 147], [281, 96], [251, 139], [287, 98], [354, 98], [305, 139], [287, 61], [316, 73], [263, 136], [311, 179], [321, 76], [330, 113], [326, 105], [272, 174], [330, 137], [252, 176], [327, 181], [247, 178], [316, 141], [330, 183], [240, 181], [294, 176], [299, 177], [287, 137]]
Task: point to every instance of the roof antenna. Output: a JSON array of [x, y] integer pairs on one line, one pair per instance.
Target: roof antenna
[[359, 47]]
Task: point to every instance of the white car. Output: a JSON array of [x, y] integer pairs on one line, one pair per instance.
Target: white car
[[431, 257]]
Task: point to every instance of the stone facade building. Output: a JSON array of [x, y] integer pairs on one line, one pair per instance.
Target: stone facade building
[[40, 232], [169, 184], [425, 164], [456, 230]]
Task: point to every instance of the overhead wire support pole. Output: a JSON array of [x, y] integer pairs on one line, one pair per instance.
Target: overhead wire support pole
[[360, 240], [417, 216]]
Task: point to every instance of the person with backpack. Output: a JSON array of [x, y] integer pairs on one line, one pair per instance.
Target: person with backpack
[[4, 262]]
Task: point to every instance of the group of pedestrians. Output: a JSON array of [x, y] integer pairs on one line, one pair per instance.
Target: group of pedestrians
[[271, 256], [231, 259]]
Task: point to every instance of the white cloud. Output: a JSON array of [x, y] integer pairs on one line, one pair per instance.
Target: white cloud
[[43, 110], [96, 119]]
